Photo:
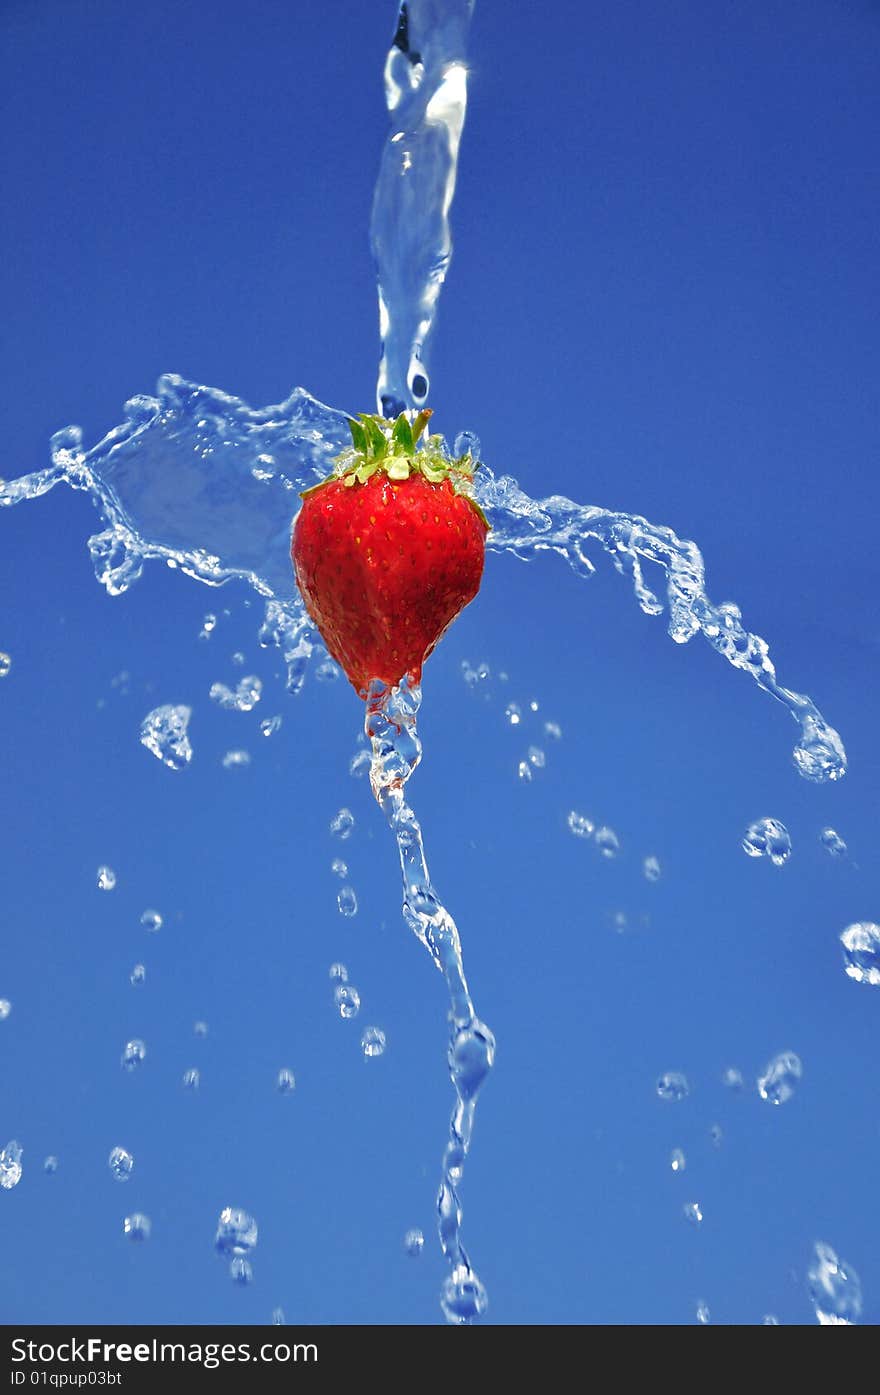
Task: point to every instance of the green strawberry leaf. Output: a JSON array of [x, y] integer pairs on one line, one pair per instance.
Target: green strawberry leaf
[[358, 438], [402, 435], [378, 439]]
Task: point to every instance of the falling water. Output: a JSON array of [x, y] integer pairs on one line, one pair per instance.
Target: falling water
[[426, 94], [198, 479]]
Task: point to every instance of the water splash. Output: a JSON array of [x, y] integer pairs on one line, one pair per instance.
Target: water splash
[[178, 481], [426, 96], [525, 526], [390, 726], [198, 479]]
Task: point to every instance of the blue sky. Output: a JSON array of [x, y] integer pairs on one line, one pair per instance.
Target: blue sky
[[662, 299]]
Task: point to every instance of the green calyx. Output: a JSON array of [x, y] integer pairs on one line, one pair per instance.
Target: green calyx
[[393, 448]]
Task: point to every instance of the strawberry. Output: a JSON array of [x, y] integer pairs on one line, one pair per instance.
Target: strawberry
[[389, 549]]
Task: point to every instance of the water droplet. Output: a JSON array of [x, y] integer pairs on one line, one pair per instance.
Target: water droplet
[[338, 867], [463, 1297], [236, 760], [106, 879], [243, 698], [152, 921], [342, 823], [236, 1232], [238, 659], [164, 733], [732, 1078], [208, 626], [553, 730], [692, 1213], [832, 842], [269, 725], [373, 1042], [768, 838], [359, 764], [466, 443], [138, 975], [191, 1079], [5, 664], [285, 1082], [241, 1271], [524, 771], [5, 1009], [780, 1078], [819, 755], [327, 671], [121, 1164], [10, 1165], [703, 1314], [137, 1226], [835, 1289], [278, 1318], [537, 758], [607, 842], [716, 1135], [580, 825], [672, 1085], [861, 952], [471, 1057], [338, 973], [533, 705], [677, 1160], [200, 1029], [769, 1320], [346, 900], [513, 713], [651, 869], [50, 1165], [133, 1055], [347, 1000], [414, 1243]]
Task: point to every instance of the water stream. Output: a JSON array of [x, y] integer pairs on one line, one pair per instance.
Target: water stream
[[200, 480]]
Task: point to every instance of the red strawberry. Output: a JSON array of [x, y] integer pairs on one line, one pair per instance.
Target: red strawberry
[[388, 550]]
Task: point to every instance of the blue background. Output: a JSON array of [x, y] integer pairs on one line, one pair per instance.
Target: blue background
[[662, 299]]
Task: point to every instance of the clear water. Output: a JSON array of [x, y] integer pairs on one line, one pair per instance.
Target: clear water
[[199, 480]]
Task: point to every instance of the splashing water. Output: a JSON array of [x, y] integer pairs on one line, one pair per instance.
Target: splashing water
[[203, 445], [198, 479], [199, 447], [780, 1078]]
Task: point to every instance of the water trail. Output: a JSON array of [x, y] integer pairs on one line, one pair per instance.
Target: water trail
[[524, 526], [201, 481], [390, 726], [426, 95]]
